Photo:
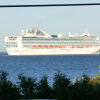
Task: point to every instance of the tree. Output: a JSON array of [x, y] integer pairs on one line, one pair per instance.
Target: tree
[[43, 88], [61, 85], [8, 91], [82, 90], [27, 86], [95, 82]]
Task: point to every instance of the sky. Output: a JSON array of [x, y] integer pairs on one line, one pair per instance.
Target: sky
[[53, 20]]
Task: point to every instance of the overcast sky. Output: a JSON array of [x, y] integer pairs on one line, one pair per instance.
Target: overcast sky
[[53, 20]]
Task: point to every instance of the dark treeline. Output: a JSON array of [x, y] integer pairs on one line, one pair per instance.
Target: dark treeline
[[62, 88]]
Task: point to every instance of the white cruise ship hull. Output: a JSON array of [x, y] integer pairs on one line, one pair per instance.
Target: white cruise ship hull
[[37, 42], [62, 51]]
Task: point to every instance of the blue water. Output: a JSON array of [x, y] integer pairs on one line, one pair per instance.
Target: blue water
[[38, 66]]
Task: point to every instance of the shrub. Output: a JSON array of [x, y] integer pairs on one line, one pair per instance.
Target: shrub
[[8, 91], [27, 86], [43, 89], [61, 86]]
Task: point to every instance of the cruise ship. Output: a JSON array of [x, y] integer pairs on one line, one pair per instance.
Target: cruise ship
[[38, 42]]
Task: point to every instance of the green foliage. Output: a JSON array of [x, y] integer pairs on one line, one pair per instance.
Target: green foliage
[[85, 80], [8, 91], [95, 80], [43, 89], [81, 89], [62, 89], [61, 85], [3, 76], [27, 86]]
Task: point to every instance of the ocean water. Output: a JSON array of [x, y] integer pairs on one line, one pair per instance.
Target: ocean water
[[39, 66]]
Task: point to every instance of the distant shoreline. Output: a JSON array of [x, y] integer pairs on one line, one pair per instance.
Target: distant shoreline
[[3, 53]]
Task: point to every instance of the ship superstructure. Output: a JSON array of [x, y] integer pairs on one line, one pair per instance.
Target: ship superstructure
[[38, 42]]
